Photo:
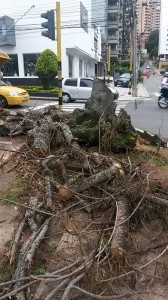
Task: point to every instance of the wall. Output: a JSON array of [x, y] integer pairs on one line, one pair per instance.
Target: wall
[[28, 32]]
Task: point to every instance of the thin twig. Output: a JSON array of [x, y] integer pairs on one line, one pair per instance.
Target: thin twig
[[101, 297]]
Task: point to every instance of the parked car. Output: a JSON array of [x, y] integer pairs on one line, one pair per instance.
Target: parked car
[[145, 73], [10, 95], [79, 89], [123, 80], [148, 67]]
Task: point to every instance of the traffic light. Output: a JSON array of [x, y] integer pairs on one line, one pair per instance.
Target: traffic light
[[49, 25]]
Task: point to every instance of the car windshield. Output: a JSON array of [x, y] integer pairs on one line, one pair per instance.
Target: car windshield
[[126, 75], [2, 83]]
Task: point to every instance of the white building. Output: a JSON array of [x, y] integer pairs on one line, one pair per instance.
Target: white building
[[81, 43], [163, 37]]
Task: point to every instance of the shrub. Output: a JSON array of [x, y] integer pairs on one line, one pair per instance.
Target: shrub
[[47, 68]]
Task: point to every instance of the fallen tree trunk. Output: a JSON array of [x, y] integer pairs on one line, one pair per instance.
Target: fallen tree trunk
[[39, 138], [118, 243], [67, 191]]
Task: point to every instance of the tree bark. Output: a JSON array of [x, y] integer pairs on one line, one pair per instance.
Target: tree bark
[[118, 244], [67, 191], [39, 138]]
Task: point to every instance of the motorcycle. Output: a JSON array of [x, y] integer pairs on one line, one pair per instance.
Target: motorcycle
[[163, 98]]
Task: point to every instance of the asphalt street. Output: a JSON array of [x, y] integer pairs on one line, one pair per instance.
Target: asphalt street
[[147, 115], [38, 104]]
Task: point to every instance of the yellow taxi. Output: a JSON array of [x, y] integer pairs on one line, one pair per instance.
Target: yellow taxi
[[10, 95]]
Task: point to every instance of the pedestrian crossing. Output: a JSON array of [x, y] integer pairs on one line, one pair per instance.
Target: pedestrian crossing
[[70, 107], [155, 94]]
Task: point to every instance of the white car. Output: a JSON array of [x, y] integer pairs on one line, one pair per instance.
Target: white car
[[79, 89]]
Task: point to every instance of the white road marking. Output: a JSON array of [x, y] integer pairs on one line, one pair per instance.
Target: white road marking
[[70, 107]]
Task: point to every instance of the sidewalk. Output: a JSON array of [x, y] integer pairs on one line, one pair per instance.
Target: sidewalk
[[124, 96]]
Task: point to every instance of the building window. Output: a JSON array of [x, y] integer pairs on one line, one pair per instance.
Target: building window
[[112, 31], [95, 45], [112, 17], [11, 67], [80, 68], [30, 63], [86, 69], [70, 63]]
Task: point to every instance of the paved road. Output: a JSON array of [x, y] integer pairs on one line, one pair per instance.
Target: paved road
[[69, 107], [148, 116]]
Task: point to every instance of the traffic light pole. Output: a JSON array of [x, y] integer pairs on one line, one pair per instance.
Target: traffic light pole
[[109, 53], [59, 54], [130, 81], [134, 86]]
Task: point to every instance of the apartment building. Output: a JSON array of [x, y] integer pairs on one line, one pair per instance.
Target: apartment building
[[163, 34], [114, 27], [99, 11], [148, 19], [81, 42]]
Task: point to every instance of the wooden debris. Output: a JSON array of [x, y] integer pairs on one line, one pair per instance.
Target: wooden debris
[[118, 245]]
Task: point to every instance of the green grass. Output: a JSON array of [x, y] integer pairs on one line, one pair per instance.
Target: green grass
[[6, 273], [147, 156], [39, 89], [18, 191], [40, 270]]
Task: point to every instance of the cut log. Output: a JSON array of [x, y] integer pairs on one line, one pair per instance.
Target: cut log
[[29, 218], [67, 191], [16, 241], [39, 138], [36, 243], [157, 200], [118, 244], [69, 136]]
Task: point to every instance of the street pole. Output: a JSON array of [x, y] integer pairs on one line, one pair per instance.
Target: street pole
[[130, 81], [59, 53], [109, 54], [134, 81]]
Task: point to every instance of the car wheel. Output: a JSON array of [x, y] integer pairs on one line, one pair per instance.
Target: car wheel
[[66, 98], [3, 102]]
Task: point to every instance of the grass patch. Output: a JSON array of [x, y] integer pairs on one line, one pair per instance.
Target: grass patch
[[18, 191], [6, 273], [39, 89], [145, 156]]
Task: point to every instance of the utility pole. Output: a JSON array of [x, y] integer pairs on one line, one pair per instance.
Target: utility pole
[[109, 54], [134, 79], [130, 81], [59, 53]]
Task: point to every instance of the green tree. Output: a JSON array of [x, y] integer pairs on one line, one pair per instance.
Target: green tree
[[153, 43], [47, 68]]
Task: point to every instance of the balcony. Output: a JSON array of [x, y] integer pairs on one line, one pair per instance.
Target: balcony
[[113, 39], [112, 23], [114, 53]]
